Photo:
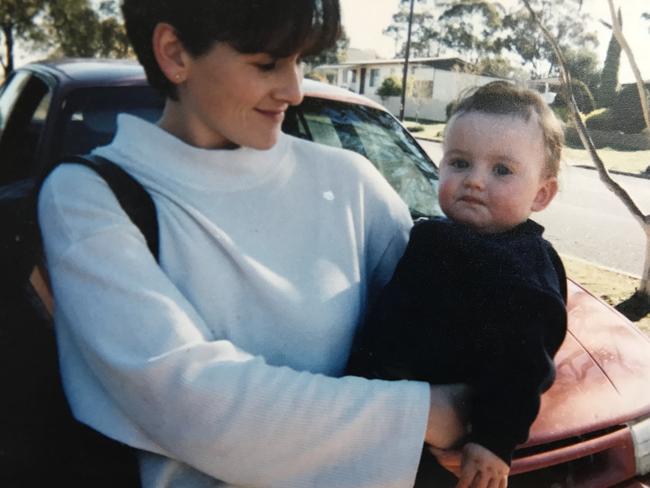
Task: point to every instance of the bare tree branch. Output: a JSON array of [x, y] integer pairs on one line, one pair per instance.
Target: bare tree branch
[[587, 142]]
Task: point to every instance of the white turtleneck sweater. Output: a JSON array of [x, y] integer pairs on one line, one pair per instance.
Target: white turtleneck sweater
[[222, 363]]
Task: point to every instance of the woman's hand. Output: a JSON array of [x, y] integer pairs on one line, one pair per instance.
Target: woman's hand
[[481, 468], [447, 423]]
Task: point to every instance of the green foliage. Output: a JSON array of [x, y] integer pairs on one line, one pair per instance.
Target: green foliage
[[498, 66], [582, 94], [16, 22], [471, 27], [583, 65], [76, 29], [609, 85], [562, 113], [564, 20], [599, 119], [624, 115], [314, 75], [62, 27], [626, 110], [423, 33], [390, 87]]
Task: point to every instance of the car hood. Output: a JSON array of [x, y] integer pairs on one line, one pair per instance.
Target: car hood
[[603, 373]]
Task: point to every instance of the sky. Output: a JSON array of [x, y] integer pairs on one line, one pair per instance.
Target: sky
[[364, 21]]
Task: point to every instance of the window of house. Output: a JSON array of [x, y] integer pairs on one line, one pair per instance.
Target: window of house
[[374, 76]]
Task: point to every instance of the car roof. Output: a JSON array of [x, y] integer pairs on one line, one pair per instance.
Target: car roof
[[102, 72]]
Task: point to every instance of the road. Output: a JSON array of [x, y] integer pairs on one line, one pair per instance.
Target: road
[[588, 221]]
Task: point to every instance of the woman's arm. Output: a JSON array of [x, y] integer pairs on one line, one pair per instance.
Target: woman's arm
[[448, 414]]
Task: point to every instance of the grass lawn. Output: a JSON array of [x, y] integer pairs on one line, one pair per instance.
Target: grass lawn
[[614, 288], [635, 162]]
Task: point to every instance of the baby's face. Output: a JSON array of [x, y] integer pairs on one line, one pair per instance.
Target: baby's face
[[491, 173]]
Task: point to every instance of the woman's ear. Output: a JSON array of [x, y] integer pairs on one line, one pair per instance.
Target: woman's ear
[[545, 193], [170, 53]]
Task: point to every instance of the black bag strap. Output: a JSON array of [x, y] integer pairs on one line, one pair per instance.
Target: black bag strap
[[133, 198]]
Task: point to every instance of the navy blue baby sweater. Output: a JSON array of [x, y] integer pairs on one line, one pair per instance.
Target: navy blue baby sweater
[[483, 309]]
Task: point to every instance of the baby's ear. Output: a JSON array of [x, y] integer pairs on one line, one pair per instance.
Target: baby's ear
[[545, 193]]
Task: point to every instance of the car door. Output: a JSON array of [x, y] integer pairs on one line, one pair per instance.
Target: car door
[[24, 104]]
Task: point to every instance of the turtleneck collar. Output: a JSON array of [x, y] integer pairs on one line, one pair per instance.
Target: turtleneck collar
[[146, 148]]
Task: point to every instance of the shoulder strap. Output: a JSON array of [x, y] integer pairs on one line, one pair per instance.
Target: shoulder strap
[[134, 199]]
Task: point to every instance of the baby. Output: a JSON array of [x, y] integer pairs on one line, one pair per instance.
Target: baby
[[479, 297]]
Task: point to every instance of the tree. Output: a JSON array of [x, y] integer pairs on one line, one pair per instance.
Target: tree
[[644, 220], [498, 66], [423, 32], [16, 22], [74, 28], [583, 65], [609, 85], [471, 27], [62, 28], [563, 19]]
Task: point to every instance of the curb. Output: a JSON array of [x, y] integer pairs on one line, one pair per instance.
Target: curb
[[645, 176], [430, 139], [600, 266]]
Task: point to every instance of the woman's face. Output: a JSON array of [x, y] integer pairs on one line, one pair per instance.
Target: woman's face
[[227, 97]]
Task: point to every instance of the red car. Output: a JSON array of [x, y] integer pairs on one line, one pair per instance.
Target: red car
[[594, 426]]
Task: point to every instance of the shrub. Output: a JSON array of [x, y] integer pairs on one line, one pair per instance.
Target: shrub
[[390, 87], [582, 94], [626, 111], [561, 113], [313, 75], [600, 119], [449, 108]]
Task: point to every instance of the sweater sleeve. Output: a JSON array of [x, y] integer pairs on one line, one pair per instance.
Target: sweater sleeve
[[160, 382], [519, 341]]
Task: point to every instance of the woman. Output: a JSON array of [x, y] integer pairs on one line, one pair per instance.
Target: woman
[[220, 365]]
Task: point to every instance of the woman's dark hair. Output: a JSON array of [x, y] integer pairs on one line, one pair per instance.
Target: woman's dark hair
[[277, 27]]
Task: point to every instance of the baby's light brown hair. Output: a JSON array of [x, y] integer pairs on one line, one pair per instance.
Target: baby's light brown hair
[[504, 98]]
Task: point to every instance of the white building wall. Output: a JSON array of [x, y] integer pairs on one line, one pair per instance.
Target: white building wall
[[436, 88], [447, 87]]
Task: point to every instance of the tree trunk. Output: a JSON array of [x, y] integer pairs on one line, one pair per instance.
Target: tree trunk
[[8, 65], [644, 288]]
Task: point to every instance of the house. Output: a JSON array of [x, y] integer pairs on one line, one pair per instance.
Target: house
[[433, 82]]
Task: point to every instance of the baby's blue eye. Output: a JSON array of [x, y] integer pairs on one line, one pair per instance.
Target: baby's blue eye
[[502, 170], [459, 163]]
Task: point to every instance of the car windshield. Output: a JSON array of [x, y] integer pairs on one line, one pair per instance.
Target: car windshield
[[376, 135]]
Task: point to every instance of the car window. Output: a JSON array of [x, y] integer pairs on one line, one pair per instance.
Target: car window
[[23, 107], [90, 115], [376, 135]]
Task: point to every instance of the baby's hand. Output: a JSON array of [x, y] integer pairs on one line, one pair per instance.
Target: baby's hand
[[481, 468]]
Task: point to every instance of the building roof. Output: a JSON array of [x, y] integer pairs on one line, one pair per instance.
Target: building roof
[[440, 63]]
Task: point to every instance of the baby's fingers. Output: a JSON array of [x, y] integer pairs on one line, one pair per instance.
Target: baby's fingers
[[472, 478]]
